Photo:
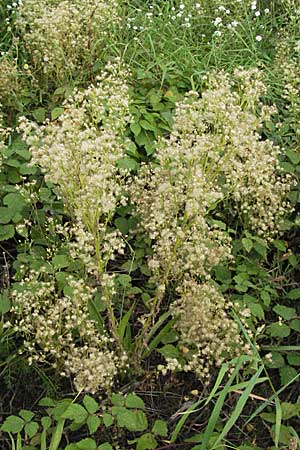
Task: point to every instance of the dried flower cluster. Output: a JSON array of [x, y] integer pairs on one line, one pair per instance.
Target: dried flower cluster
[[58, 330], [79, 154], [63, 36], [213, 155], [208, 334]]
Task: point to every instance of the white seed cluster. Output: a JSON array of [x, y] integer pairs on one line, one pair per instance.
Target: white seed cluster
[[208, 334], [63, 36], [57, 329]]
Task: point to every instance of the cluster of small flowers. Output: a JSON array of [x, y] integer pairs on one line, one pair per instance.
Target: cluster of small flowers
[[208, 335], [79, 151], [58, 328], [10, 83], [64, 36]]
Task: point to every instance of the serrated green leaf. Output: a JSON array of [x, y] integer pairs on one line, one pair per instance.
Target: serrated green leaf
[[56, 112], [169, 351], [90, 404], [26, 414], [13, 424], [293, 359], [132, 420], [294, 294], [127, 163], [135, 128], [39, 114], [287, 373], [105, 446], [293, 156], [87, 444], [278, 329], [14, 201], [75, 412], [60, 261], [160, 428], [134, 401], [257, 310], [247, 244], [47, 401], [6, 214], [6, 232], [31, 429], [285, 312], [117, 399], [146, 442], [108, 419], [46, 422], [93, 423]]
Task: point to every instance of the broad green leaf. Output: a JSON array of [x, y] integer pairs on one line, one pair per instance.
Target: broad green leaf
[[169, 351], [146, 442], [108, 419], [6, 232], [293, 359], [105, 446], [39, 114], [160, 428], [133, 420], [293, 156], [134, 401], [122, 224], [56, 112], [87, 444], [278, 329], [257, 310], [31, 429], [276, 362], [47, 401], [287, 373], [289, 410], [14, 201], [26, 414], [6, 214], [127, 163], [93, 423], [295, 324], [60, 261], [117, 399], [135, 128], [46, 422], [247, 244], [285, 312], [13, 424], [90, 404], [4, 302], [294, 294], [75, 412]]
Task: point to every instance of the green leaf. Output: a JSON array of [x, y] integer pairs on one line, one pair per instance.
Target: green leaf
[[287, 373], [285, 312], [13, 424], [39, 114], [295, 324], [122, 224], [293, 156], [46, 422], [293, 359], [278, 329], [117, 399], [257, 310], [6, 214], [160, 427], [14, 201], [47, 401], [124, 280], [134, 401], [146, 442], [294, 294], [93, 423], [108, 419], [60, 261], [247, 244], [289, 410], [276, 362], [6, 232], [31, 429], [169, 351], [4, 302], [105, 446], [280, 245], [56, 112], [75, 412], [26, 415], [127, 163], [261, 249], [135, 128], [132, 420], [90, 404], [87, 444]]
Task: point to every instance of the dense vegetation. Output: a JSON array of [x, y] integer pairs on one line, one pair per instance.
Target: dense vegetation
[[149, 224]]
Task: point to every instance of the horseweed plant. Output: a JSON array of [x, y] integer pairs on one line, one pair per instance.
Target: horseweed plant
[[213, 156]]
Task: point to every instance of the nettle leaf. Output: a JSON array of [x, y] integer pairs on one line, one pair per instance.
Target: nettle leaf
[[87, 444], [6, 232], [285, 312], [289, 410], [93, 423], [13, 424], [108, 419], [75, 412], [294, 294], [160, 427], [257, 310], [60, 261], [247, 244], [287, 373], [31, 429], [279, 329], [117, 399], [132, 420], [105, 446], [26, 415], [146, 442], [134, 401], [293, 359], [90, 404], [6, 214]]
